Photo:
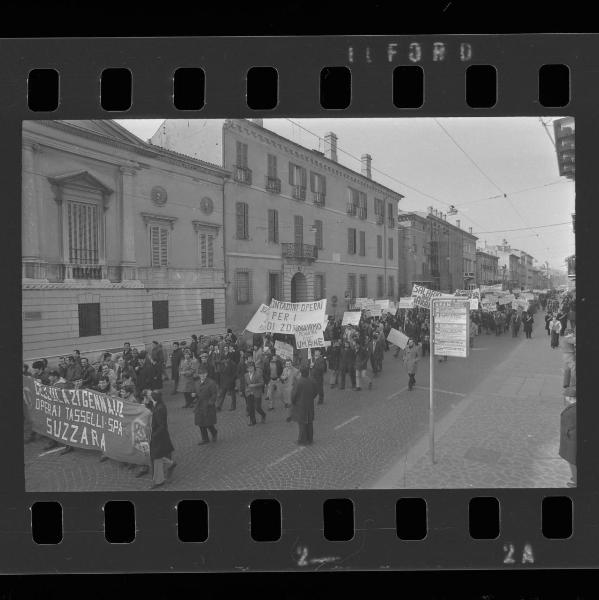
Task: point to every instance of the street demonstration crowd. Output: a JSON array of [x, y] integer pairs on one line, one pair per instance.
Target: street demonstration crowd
[[208, 369]]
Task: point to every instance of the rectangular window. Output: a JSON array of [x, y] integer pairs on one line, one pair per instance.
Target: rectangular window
[[362, 243], [159, 245], [160, 314], [272, 166], [379, 246], [391, 287], [390, 216], [243, 286], [319, 286], [206, 249], [380, 286], [362, 206], [298, 230], [353, 201], [318, 187], [83, 233], [390, 255], [208, 311], [363, 286], [318, 240], [379, 207], [89, 319], [351, 241], [274, 286], [351, 285], [242, 219], [242, 155], [273, 226], [297, 181]]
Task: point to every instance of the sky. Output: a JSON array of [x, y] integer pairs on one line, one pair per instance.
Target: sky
[[468, 162]]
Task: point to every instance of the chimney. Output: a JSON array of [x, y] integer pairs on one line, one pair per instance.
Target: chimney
[[430, 210], [457, 222], [470, 229], [366, 165], [330, 146], [258, 122]]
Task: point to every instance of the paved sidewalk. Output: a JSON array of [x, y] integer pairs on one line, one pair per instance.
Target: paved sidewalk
[[505, 433]]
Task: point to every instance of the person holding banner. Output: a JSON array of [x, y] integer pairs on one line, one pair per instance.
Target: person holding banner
[[161, 447], [289, 378]]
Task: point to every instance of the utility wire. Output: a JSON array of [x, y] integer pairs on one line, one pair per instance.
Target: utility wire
[[525, 228]]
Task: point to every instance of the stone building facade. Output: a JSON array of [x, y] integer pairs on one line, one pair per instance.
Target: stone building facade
[[299, 225], [121, 241]]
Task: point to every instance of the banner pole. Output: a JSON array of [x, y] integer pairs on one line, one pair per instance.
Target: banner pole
[[431, 408]]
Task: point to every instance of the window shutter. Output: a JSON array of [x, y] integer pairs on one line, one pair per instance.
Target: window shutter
[[239, 157], [349, 241], [163, 247], [210, 250], [318, 235], [291, 173], [313, 182], [239, 216], [273, 226], [323, 183], [303, 177], [298, 225], [272, 165], [362, 243]]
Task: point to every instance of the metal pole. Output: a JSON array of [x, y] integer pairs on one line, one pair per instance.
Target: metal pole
[[431, 406]]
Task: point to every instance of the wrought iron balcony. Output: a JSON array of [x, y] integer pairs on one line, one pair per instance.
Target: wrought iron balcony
[[273, 184], [242, 175], [319, 198], [298, 192], [82, 271], [301, 251]]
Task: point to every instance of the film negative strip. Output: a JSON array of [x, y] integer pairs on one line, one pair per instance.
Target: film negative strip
[[363, 246]]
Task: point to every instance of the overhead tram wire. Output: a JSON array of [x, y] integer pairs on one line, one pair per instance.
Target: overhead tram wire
[[483, 173], [525, 228], [406, 185]]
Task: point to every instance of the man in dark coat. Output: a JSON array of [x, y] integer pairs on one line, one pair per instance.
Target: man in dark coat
[[228, 376], [376, 349], [176, 358], [302, 399], [319, 367], [346, 365], [157, 355], [205, 408], [161, 447]]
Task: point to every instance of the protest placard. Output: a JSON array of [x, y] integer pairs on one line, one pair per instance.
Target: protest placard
[[351, 317], [397, 338], [88, 419], [257, 323], [491, 288], [406, 303], [383, 306], [421, 296], [287, 317], [473, 304], [284, 350]]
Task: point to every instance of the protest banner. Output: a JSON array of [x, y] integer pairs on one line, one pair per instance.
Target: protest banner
[[257, 323], [397, 338], [487, 306], [421, 296], [351, 317], [284, 350], [468, 293], [406, 303], [491, 288], [360, 302], [88, 419], [287, 317], [383, 305], [473, 304]]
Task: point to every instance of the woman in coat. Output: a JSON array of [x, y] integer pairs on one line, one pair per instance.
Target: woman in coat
[[161, 447], [289, 377], [188, 370], [205, 410]]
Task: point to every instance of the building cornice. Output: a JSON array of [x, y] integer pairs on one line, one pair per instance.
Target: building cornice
[[153, 218], [311, 157]]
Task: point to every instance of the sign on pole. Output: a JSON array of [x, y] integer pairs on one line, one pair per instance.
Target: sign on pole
[[351, 317], [284, 350], [406, 303], [452, 327]]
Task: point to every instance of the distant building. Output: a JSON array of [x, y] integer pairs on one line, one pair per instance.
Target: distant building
[[487, 268], [450, 252], [298, 224], [414, 240], [121, 241]]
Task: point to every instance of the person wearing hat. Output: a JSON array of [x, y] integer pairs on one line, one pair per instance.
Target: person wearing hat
[[410, 359], [205, 409], [302, 399], [161, 447], [188, 369]]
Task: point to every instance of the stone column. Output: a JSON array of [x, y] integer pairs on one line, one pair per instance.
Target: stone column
[[30, 214], [128, 188]]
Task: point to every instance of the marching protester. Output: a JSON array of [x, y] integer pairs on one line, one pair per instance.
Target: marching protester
[[289, 378], [361, 361], [205, 408], [302, 399], [161, 447], [527, 323], [410, 359], [254, 386], [555, 327], [346, 365], [176, 358], [318, 368]]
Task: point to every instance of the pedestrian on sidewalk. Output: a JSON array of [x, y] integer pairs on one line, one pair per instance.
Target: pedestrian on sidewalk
[[410, 359], [556, 327], [205, 409], [254, 387], [567, 441], [303, 407], [161, 447]]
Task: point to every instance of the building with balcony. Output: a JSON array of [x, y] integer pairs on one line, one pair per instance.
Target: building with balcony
[[509, 265], [301, 226], [121, 241], [487, 268], [449, 252]]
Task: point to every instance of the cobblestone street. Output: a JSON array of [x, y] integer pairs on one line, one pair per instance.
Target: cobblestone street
[[497, 416]]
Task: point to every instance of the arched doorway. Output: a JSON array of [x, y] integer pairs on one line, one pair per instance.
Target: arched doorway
[[299, 288]]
